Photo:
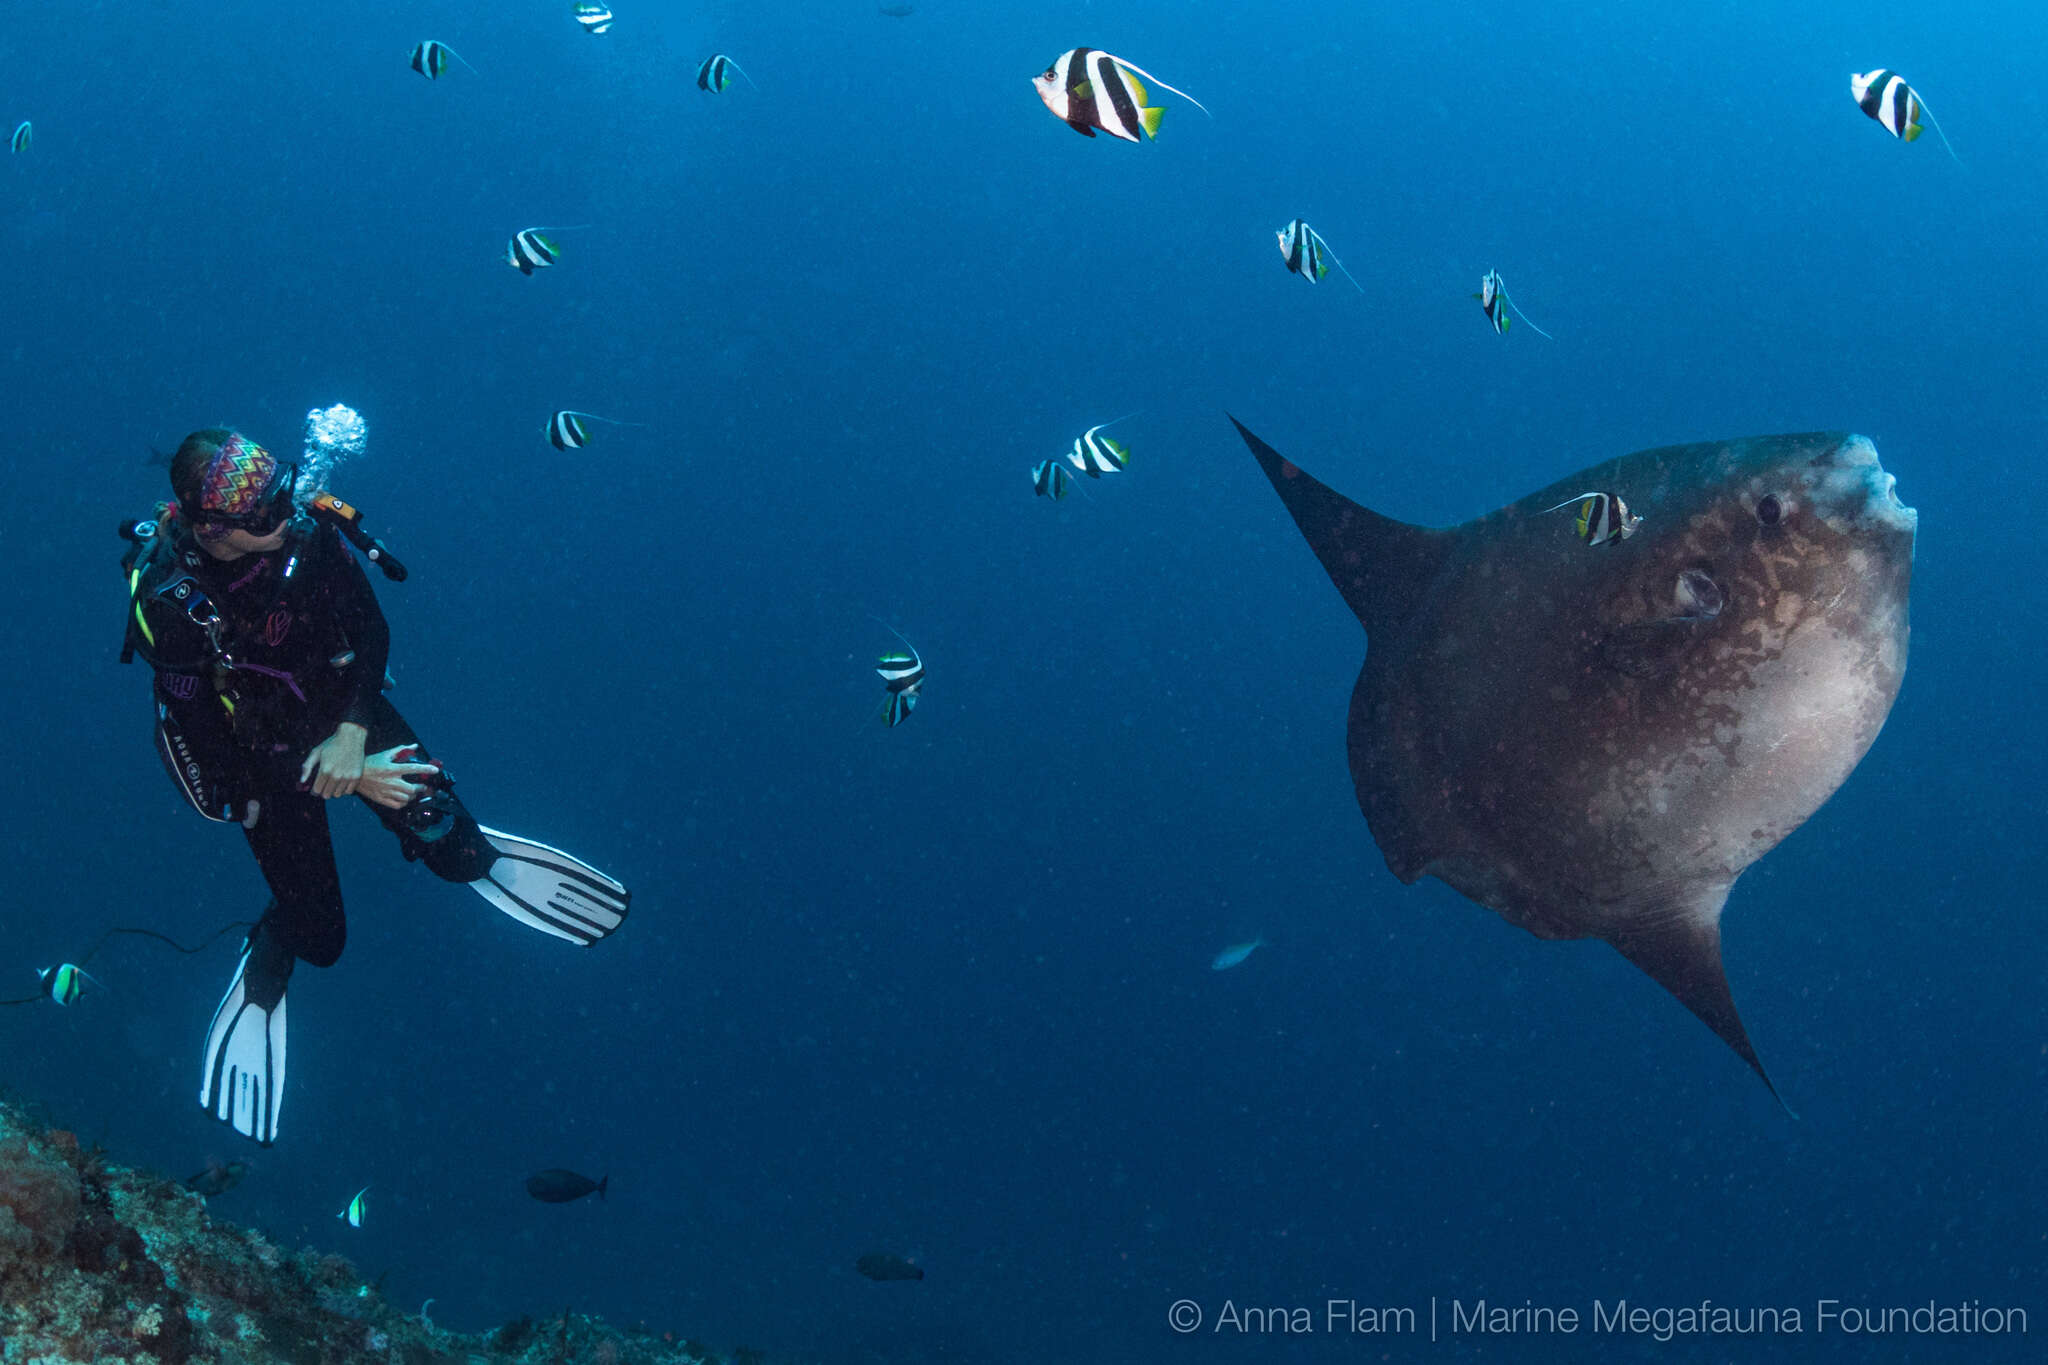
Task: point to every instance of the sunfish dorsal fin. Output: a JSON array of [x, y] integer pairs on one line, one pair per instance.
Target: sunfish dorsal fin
[[1679, 946], [1379, 564]]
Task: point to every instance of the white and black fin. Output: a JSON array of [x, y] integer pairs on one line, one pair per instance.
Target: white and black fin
[[552, 891], [241, 1079]]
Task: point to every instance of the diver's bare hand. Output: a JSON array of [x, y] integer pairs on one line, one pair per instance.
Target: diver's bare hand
[[335, 767], [392, 783]]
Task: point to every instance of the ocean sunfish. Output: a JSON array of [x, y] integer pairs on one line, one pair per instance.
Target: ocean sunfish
[[1595, 740]]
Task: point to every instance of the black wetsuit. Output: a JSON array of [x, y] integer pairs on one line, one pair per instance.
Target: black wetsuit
[[298, 645]]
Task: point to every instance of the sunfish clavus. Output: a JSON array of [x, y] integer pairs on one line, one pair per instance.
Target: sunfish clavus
[[1596, 741]]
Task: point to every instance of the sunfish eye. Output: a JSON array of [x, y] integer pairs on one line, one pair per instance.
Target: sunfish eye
[[1698, 596], [1767, 510]]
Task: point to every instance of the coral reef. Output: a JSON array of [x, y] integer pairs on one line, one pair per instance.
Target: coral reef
[[107, 1264]]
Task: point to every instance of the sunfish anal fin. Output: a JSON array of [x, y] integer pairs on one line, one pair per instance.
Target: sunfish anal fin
[[1680, 949], [1379, 564]]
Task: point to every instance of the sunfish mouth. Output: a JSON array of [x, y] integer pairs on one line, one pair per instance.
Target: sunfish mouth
[[1852, 491]]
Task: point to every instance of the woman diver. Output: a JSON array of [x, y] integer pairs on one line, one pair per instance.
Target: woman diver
[[269, 652]]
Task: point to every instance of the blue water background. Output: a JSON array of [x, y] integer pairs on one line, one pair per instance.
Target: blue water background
[[944, 991]]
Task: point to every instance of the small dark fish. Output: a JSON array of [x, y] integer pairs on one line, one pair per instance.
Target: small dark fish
[[899, 11], [561, 1187], [218, 1178], [880, 1265]]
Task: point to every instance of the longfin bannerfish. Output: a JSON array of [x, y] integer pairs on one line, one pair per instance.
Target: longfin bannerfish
[[1308, 255], [1097, 455], [899, 706], [532, 249], [901, 670], [1494, 301], [567, 429], [24, 134], [902, 674], [65, 982], [595, 18], [1049, 479], [357, 1207], [716, 73], [1896, 106], [1603, 518], [430, 59], [1090, 89]]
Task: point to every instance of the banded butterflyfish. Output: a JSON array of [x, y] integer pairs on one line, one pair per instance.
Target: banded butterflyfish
[[595, 18]]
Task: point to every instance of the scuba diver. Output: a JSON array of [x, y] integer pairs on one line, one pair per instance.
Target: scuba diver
[[269, 653]]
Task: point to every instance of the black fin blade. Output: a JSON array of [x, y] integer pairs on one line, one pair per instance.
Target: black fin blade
[[1380, 565], [1681, 951]]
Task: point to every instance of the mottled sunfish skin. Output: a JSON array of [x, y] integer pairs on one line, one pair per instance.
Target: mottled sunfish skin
[[1596, 741]]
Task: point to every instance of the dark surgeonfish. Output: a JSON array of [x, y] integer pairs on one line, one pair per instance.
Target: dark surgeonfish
[[217, 1179], [881, 1265], [1597, 746], [1090, 89], [557, 1186], [1895, 105], [716, 73]]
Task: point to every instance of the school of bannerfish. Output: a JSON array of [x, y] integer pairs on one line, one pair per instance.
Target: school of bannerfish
[[1093, 91]]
